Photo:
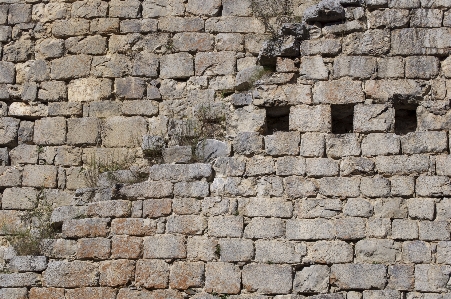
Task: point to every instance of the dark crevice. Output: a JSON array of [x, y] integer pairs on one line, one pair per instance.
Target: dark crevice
[[342, 118], [277, 120]]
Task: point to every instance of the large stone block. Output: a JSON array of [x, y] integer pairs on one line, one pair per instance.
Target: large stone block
[[264, 228], [124, 9], [19, 198], [222, 278], [371, 42], [432, 278], [340, 187], [358, 276], [342, 91], [152, 274], [359, 67], [8, 130], [89, 89], [234, 24], [373, 118], [403, 164], [421, 41], [7, 72], [193, 41], [310, 229], [433, 186], [178, 65], [159, 8], [313, 279], [87, 292], [71, 274], [422, 67], [185, 275], [305, 118], [267, 279], [164, 247], [378, 251], [313, 68], [215, 63], [236, 250], [272, 251], [330, 252], [84, 130], [424, 142], [70, 67], [282, 143], [123, 131]]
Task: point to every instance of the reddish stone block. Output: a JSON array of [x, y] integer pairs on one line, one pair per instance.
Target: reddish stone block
[[126, 247], [133, 227], [93, 248], [152, 274], [91, 228], [186, 275], [155, 208], [116, 273], [46, 293]]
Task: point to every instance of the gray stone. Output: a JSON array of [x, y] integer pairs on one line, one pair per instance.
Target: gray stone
[[261, 207], [50, 131], [278, 251], [70, 274], [376, 251], [389, 18], [350, 228], [401, 277], [404, 229], [312, 145], [222, 278], [290, 166], [8, 134], [20, 198], [373, 118], [7, 72], [339, 187], [420, 41], [305, 118], [124, 9], [342, 145], [318, 208], [356, 165], [378, 294], [433, 230], [310, 229], [225, 226], [325, 11], [404, 165], [296, 187], [210, 149], [164, 247], [313, 68], [72, 66], [18, 280], [321, 167], [248, 143], [358, 276], [28, 263], [421, 208], [416, 252], [360, 67], [432, 278], [371, 42], [313, 279], [236, 250], [433, 186], [443, 252], [330, 252], [52, 91], [177, 66], [357, 207], [215, 63], [267, 279], [264, 228]]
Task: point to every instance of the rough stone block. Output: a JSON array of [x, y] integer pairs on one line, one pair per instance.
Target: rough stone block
[[359, 67], [126, 247], [420, 41], [339, 187], [432, 278], [426, 18], [282, 143], [191, 189], [158, 8], [433, 186], [358, 276], [373, 118], [357, 207], [310, 118], [401, 277], [215, 63], [70, 67], [124, 9], [93, 248], [19, 198], [234, 24], [309, 229], [402, 186], [333, 92], [222, 278], [312, 279], [155, 208], [79, 228], [164, 247], [82, 131], [375, 187], [123, 131], [404, 229], [176, 66], [186, 275], [225, 226], [321, 167], [236, 250], [296, 187], [186, 224], [267, 279], [421, 208], [290, 166], [404, 165], [371, 42], [350, 228], [180, 172], [264, 228], [313, 68], [247, 143], [268, 251], [65, 274], [261, 207], [330, 252], [133, 227], [434, 230], [116, 273], [201, 248], [40, 293], [91, 292], [89, 89], [416, 252], [152, 274], [378, 251]]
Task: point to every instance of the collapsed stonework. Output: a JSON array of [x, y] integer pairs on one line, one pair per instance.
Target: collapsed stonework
[[187, 153]]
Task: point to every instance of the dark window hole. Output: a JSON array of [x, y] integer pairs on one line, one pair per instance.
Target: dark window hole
[[405, 119], [342, 118], [277, 120]]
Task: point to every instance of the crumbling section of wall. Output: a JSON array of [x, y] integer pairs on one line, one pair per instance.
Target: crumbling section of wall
[[188, 153]]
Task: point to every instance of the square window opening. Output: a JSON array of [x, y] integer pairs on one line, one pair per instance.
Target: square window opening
[[342, 118], [405, 119], [277, 120]]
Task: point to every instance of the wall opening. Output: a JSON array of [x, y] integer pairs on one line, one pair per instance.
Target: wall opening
[[405, 119], [277, 120], [342, 118]]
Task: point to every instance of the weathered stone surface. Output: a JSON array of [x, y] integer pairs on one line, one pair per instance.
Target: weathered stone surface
[[431, 278], [358, 276], [302, 118], [330, 252], [222, 278], [71, 274], [312, 279], [267, 279], [164, 247], [152, 274], [89, 89]]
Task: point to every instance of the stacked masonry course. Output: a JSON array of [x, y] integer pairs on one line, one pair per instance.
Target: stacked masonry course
[[298, 213]]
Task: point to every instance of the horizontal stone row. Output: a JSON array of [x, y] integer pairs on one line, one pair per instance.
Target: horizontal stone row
[[226, 278]]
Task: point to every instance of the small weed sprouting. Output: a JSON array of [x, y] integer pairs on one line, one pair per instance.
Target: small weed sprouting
[[37, 226], [209, 123], [273, 13], [218, 250], [112, 163]]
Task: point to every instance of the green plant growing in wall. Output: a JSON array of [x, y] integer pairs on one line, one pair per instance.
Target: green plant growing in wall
[[37, 226], [273, 13]]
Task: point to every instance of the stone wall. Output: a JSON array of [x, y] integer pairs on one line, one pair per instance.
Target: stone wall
[[331, 178]]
